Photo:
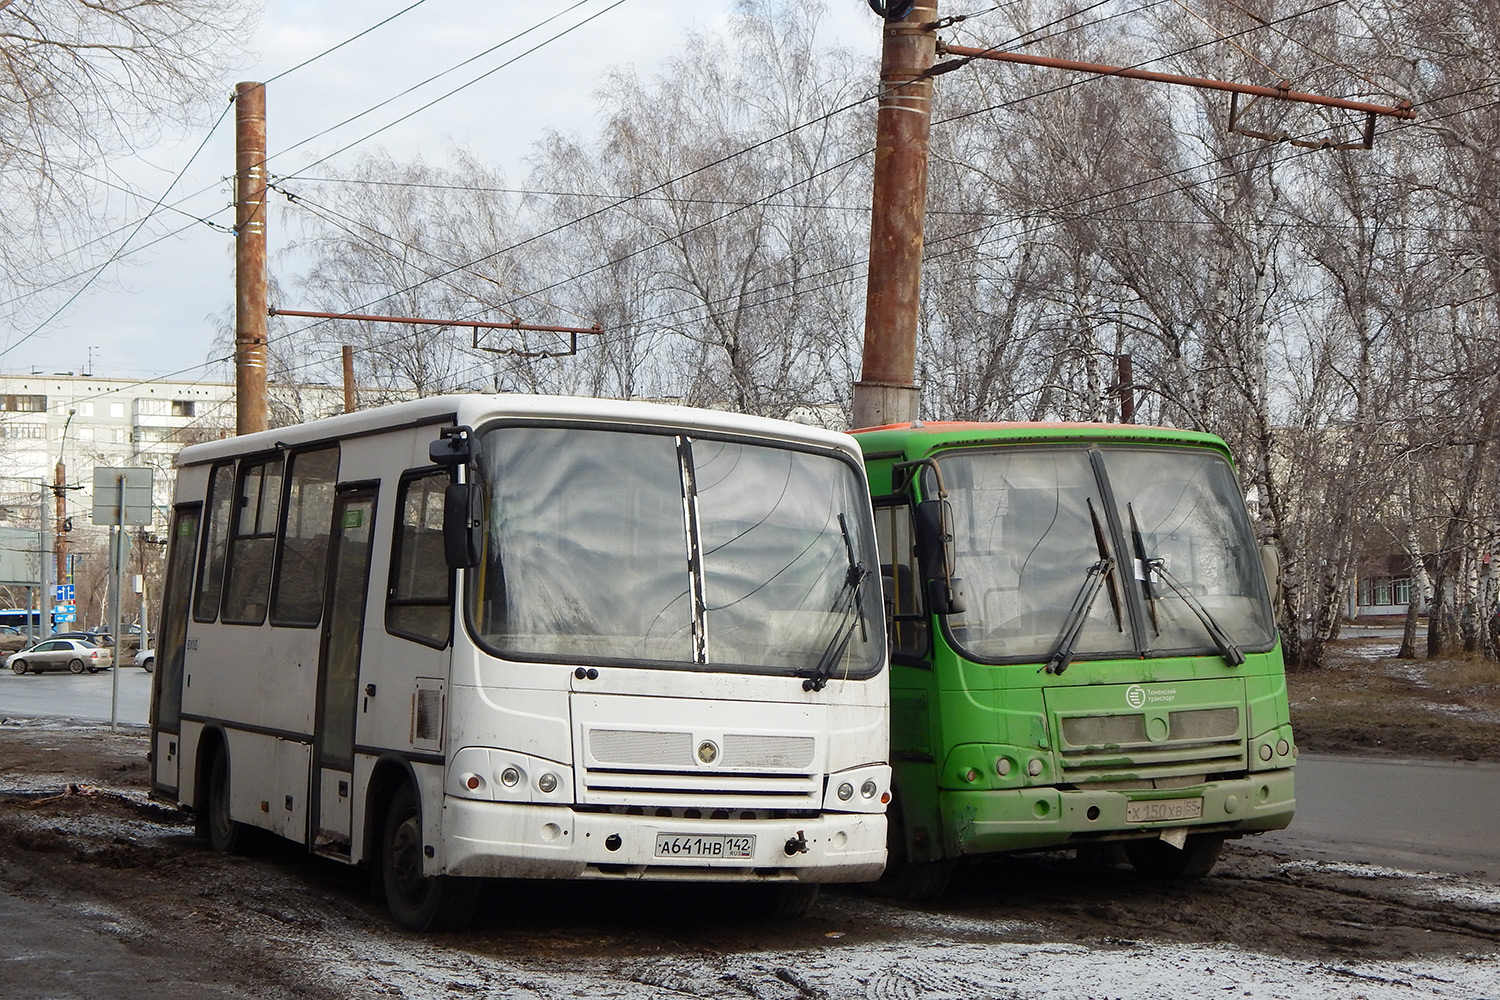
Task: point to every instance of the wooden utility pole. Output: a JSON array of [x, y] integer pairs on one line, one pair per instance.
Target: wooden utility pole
[[887, 389], [349, 402], [250, 258]]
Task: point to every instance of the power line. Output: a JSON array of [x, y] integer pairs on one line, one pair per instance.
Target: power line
[[121, 248], [487, 73]]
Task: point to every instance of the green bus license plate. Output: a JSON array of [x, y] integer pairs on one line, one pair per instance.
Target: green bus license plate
[[1163, 810], [670, 845]]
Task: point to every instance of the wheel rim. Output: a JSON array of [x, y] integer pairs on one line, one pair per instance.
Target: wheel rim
[[76, 666], [19, 666]]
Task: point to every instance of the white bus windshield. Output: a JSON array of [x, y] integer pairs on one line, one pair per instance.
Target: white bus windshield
[[662, 549], [1030, 525]]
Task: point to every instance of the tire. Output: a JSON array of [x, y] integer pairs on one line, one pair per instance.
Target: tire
[[223, 833], [419, 902], [19, 666], [75, 666], [149, 665], [903, 879], [1160, 860], [786, 900]]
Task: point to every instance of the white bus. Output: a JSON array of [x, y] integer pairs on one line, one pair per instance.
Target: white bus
[[481, 636]]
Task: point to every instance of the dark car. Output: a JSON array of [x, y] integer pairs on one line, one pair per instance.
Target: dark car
[[98, 638], [13, 639], [56, 653]]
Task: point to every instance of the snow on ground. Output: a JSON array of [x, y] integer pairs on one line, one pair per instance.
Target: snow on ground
[[928, 967]]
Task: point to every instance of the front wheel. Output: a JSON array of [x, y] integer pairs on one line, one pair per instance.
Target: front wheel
[[19, 666], [76, 666], [149, 665], [223, 833], [419, 902], [1159, 859]]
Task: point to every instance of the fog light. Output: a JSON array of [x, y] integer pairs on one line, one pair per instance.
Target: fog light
[[547, 782], [1002, 766], [1034, 768], [846, 792], [1265, 751], [1282, 748], [510, 777], [868, 789]]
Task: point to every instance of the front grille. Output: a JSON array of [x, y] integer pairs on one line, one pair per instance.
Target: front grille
[[661, 770], [1117, 748], [630, 747]]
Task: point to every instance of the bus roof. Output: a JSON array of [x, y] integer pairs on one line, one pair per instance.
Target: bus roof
[[473, 409], [919, 438]]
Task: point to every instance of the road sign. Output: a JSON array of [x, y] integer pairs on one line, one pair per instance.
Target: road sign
[[65, 592], [108, 485], [65, 618], [65, 609]]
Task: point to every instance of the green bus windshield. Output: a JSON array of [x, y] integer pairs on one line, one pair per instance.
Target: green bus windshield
[[1164, 528]]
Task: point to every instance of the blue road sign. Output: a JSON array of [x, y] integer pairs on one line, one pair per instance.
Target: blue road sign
[[64, 592]]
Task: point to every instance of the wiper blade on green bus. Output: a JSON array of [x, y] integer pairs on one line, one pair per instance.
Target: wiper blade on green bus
[[1227, 648], [1098, 573]]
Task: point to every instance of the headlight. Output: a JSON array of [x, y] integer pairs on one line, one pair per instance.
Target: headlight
[[547, 782], [846, 792]]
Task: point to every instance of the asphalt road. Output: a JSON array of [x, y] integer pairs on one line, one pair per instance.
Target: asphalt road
[[77, 696], [1407, 814]]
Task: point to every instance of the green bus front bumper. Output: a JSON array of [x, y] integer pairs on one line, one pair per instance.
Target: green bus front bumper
[[984, 822]]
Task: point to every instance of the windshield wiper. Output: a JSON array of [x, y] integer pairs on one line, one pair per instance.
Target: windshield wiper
[[849, 594], [1227, 648], [1062, 653], [1143, 567], [1148, 566]]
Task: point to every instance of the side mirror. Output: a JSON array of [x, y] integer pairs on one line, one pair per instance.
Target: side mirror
[[933, 525], [463, 530], [1270, 564]]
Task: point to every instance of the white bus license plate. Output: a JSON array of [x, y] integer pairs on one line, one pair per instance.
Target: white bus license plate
[[1163, 810], [670, 845]]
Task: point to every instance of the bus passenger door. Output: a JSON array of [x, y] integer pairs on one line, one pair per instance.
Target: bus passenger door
[[338, 668]]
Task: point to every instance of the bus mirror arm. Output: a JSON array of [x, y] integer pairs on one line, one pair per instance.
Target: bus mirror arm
[[462, 527], [454, 446]]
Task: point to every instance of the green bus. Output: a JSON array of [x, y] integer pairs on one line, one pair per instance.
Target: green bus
[[1084, 653]]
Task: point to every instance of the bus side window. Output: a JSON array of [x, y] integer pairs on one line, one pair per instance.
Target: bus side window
[[247, 573], [215, 546], [900, 581], [419, 599], [297, 594]]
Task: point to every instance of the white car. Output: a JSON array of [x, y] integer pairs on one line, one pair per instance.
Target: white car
[[146, 658], [76, 655]]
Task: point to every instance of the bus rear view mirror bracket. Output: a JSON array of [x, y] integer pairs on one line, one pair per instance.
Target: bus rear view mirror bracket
[[454, 446], [462, 526], [933, 522]]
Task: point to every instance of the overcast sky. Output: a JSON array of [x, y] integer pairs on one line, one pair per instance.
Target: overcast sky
[[153, 314]]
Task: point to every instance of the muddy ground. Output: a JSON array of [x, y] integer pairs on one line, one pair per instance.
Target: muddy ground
[[104, 894]]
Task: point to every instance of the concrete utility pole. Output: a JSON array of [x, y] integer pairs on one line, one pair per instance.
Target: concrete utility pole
[[887, 390], [250, 258], [60, 497]]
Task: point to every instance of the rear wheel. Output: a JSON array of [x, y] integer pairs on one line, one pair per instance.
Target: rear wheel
[[420, 902], [19, 666], [76, 666], [1159, 859], [224, 834]]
